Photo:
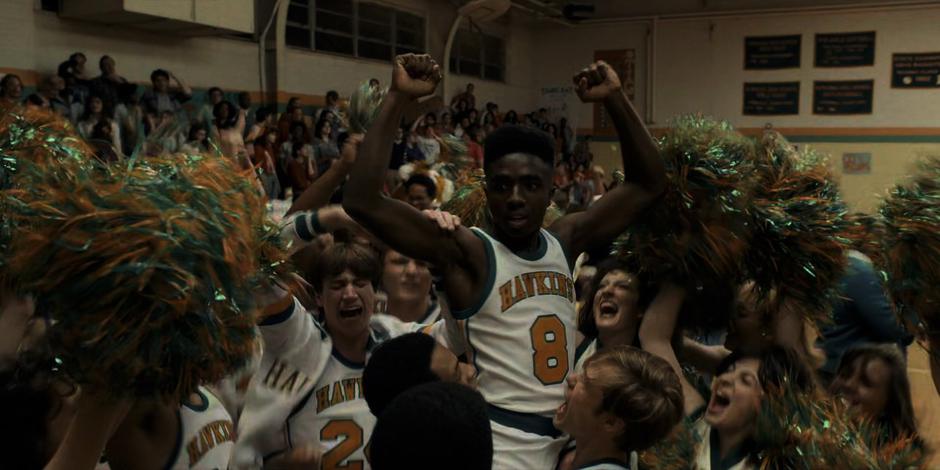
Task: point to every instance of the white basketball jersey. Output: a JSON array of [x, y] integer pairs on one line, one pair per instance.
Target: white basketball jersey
[[207, 435], [336, 415], [521, 335]]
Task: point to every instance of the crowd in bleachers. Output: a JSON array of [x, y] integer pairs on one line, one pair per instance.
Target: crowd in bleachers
[[289, 149]]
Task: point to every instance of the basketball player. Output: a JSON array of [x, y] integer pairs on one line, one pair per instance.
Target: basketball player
[[510, 286], [308, 388]]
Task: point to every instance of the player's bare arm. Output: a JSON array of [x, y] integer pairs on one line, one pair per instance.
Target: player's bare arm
[[460, 255], [645, 178]]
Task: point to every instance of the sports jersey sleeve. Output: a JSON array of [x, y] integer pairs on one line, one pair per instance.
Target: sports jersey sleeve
[[299, 230], [294, 352]]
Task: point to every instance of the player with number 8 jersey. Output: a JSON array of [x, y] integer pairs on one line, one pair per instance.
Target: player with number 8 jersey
[[509, 284], [528, 292]]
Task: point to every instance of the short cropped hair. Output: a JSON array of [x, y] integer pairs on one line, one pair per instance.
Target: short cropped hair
[[642, 390], [395, 366], [159, 73], [362, 260], [518, 139], [423, 180], [449, 421]]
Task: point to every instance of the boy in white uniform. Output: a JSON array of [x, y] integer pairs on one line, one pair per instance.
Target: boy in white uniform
[[511, 285], [308, 388]]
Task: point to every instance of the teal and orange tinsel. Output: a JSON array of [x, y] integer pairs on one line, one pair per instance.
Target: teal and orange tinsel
[[797, 220], [146, 268], [801, 431], [364, 106], [697, 233], [911, 248]]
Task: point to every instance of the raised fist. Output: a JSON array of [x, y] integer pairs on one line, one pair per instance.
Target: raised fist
[[415, 75], [597, 82]]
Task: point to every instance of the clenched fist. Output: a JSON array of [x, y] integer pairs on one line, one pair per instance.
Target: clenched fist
[[415, 75], [597, 82]]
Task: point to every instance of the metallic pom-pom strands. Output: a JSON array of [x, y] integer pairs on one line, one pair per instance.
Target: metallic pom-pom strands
[[697, 233], [797, 220], [145, 269], [364, 106], [911, 254]]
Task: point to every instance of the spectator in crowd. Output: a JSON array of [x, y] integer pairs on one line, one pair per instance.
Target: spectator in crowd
[[162, 97], [11, 90], [50, 91], [244, 102], [73, 72], [462, 126], [130, 117], [491, 115], [285, 124], [542, 117], [264, 120], [460, 108], [433, 414], [473, 116], [198, 140], [166, 136], [95, 112], [873, 379], [474, 139], [466, 96], [107, 85], [102, 138], [412, 150], [35, 101], [73, 67], [446, 124], [421, 191], [337, 123], [511, 117], [323, 145], [264, 158], [296, 158], [374, 83], [400, 364], [228, 131], [861, 314], [206, 115], [553, 131]]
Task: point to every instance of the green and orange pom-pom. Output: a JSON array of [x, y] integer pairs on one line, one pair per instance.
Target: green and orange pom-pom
[[797, 218], [911, 248], [146, 271]]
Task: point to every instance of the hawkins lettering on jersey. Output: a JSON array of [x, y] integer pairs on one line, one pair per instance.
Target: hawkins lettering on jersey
[[282, 377], [536, 283], [207, 438], [339, 392]]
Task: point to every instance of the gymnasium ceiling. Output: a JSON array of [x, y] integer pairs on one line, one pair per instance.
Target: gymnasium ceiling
[[614, 9]]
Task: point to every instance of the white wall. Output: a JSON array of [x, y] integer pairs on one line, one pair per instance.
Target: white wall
[[37, 40], [699, 64], [313, 73], [700, 67], [563, 51]]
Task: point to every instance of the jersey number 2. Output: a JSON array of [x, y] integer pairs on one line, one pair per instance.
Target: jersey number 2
[[550, 349], [352, 439]]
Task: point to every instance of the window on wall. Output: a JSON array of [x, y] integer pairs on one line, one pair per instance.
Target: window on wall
[[479, 55], [357, 29]]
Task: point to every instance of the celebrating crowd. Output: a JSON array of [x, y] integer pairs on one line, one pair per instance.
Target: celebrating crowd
[[581, 323]]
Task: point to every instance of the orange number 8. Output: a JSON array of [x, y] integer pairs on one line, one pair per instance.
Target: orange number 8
[[550, 349], [352, 439]]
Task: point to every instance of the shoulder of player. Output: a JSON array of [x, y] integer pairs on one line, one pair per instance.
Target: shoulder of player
[[472, 253]]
